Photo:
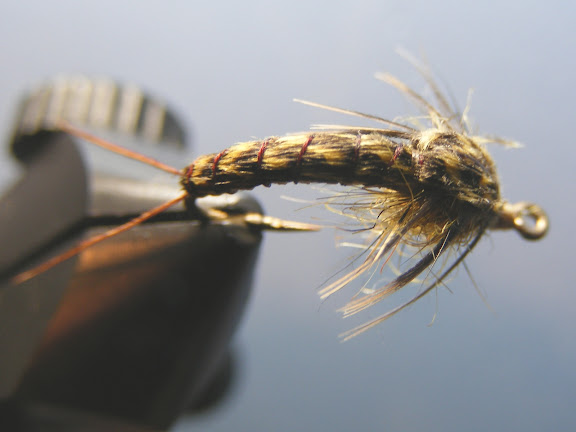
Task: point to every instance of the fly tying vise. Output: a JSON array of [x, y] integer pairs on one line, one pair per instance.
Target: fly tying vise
[[431, 188]]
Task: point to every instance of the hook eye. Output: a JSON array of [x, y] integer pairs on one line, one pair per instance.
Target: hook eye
[[527, 218]]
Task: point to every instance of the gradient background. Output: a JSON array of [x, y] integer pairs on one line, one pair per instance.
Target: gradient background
[[231, 69]]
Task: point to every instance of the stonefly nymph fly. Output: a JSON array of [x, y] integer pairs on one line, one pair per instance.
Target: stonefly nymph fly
[[433, 188]]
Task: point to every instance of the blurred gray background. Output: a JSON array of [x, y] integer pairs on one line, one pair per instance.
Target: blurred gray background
[[231, 69]]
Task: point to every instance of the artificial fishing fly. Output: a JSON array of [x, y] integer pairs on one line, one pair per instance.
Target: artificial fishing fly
[[431, 188]]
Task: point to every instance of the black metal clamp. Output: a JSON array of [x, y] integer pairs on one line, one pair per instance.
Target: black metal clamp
[[136, 329]]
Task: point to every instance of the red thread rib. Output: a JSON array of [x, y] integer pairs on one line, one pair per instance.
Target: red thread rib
[[189, 171], [215, 162], [261, 152], [301, 156], [397, 152]]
